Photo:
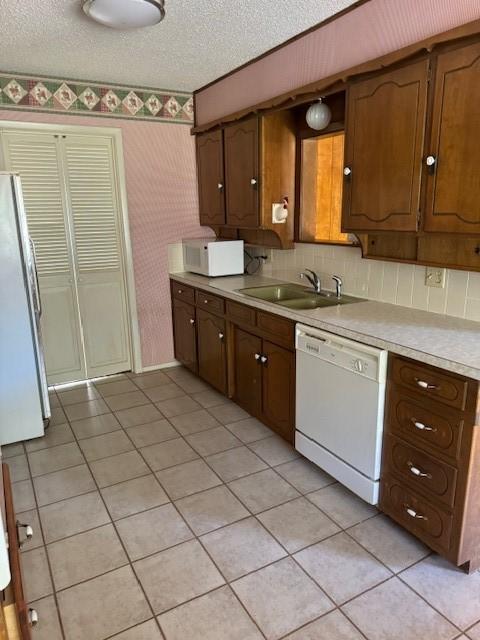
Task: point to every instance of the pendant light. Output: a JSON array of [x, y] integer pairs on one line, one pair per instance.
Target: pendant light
[[125, 14], [318, 115]]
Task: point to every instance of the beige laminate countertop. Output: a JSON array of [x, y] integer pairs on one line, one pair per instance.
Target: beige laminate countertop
[[443, 341]]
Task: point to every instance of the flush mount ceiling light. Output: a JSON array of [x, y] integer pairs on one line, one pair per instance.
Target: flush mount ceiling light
[[318, 115], [125, 14]]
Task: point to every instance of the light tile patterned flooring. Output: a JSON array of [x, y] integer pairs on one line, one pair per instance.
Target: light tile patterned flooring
[[162, 510]]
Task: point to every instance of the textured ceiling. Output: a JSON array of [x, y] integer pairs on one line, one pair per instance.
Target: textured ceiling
[[198, 41]]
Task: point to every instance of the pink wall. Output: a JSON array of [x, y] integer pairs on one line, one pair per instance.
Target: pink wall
[[162, 207], [368, 32]]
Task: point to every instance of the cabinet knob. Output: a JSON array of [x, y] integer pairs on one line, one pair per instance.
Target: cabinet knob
[[253, 182], [431, 161], [180, 291], [32, 617], [205, 301], [192, 321], [257, 356], [422, 427], [219, 186], [418, 472], [414, 514], [425, 385], [263, 359], [221, 336], [347, 171]]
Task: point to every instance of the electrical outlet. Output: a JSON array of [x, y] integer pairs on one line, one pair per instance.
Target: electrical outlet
[[435, 277]]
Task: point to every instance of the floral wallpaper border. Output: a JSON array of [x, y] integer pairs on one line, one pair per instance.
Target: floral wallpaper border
[[22, 92]]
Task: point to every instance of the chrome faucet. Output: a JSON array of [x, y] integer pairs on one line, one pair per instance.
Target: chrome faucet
[[313, 279], [338, 285]]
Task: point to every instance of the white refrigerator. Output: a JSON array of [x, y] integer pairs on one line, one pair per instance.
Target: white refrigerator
[[24, 404]]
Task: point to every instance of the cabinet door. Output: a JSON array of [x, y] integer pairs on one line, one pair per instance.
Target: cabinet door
[[185, 334], [383, 150], [279, 389], [211, 192], [453, 193], [241, 173], [248, 371], [212, 353]]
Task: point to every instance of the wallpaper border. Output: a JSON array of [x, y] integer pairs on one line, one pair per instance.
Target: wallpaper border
[[55, 95]]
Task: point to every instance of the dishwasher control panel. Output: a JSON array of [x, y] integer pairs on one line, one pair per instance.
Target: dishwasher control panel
[[358, 358]]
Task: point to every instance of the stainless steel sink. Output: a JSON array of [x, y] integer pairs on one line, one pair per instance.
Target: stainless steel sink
[[293, 296]]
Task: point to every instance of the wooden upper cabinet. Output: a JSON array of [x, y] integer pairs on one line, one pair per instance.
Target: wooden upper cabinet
[[383, 150], [453, 192], [241, 173], [211, 187]]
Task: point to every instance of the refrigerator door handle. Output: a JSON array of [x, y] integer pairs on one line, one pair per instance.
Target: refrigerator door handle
[[38, 299]]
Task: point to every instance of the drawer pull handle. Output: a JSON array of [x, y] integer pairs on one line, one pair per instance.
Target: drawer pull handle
[[422, 427], [221, 335], [28, 533], [192, 321], [32, 617], [417, 472], [426, 385], [414, 514]]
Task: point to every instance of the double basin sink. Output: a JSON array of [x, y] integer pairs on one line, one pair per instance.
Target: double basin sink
[[294, 296]]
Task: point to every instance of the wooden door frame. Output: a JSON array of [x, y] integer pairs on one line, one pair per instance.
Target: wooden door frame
[[115, 134]]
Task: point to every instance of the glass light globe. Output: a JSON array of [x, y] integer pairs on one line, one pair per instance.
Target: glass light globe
[[318, 115], [125, 14]]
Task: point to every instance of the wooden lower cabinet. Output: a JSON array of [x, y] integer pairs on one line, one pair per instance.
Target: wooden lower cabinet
[[247, 371], [184, 333], [242, 352], [265, 382], [211, 349], [278, 389], [431, 458]]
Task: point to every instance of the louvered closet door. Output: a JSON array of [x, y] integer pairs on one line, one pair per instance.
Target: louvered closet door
[[37, 158], [91, 187]]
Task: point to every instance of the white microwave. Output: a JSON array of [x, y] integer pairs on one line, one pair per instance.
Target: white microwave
[[211, 257]]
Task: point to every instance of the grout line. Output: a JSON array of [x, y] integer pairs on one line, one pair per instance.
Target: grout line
[[222, 483]]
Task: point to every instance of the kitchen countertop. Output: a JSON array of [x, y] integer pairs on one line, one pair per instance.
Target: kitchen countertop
[[442, 341]]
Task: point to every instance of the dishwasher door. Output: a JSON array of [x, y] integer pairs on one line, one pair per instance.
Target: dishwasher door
[[340, 389]]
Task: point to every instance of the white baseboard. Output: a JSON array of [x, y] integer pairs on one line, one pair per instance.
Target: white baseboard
[[156, 367]]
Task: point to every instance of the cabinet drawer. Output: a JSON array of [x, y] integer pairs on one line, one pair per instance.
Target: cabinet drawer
[[428, 522], [212, 303], [241, 313], [279, 330], [182, 292], [425, 423], [419, 470], [430, 382]]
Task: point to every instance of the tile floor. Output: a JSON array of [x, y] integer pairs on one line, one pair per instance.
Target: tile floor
[[163, 511]]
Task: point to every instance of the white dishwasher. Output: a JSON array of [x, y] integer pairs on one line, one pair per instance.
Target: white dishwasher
[[340, 397]]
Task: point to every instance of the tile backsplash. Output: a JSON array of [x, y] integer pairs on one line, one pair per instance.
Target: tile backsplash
[[393, 282]]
